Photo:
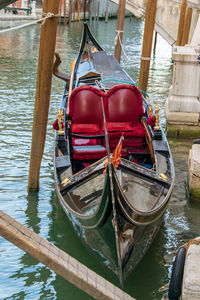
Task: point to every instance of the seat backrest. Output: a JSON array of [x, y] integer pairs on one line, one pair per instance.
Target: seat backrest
[[85, 105], [125, 104]]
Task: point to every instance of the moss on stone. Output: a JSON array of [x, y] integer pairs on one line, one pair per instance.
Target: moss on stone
[[195, 193], [183, 131]]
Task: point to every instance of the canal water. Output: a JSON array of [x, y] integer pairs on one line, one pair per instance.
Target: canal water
[[22, 277]]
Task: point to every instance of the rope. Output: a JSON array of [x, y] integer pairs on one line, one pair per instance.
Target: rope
[[145, 58], [124, 81], [46, 16], [115, 42]]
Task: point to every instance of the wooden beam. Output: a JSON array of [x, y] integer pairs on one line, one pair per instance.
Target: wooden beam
[[120, 29], [63, 264], [186, 29], [43, 90], [147, 43], [181, 22]]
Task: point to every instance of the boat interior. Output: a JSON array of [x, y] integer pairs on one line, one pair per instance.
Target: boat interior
[[122, 106]]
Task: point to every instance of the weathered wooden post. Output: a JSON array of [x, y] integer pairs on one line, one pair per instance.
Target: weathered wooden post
[[65, 13], [74, 9], [84, 9], [147, 43], [186, 29], [78, 9], [60, 12], [120, 28], [181, 22], [70, 11], [107, 11], [43, 90]]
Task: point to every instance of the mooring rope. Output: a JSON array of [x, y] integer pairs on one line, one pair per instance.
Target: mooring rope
[[115, 42], [126, 57], [43, 20]]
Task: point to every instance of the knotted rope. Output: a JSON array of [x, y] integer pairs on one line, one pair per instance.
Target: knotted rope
[[43, 20]]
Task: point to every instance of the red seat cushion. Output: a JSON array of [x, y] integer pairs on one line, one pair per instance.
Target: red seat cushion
[[133, 138], [83, 128], [89, 152], [119, 126], [82, 142]]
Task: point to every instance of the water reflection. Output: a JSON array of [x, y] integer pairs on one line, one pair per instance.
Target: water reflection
[[21, 277]]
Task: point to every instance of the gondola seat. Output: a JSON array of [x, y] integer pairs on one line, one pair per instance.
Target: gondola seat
[[85, 111], [124, 110]]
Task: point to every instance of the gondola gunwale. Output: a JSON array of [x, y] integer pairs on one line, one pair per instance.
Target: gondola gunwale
[[69, 211]]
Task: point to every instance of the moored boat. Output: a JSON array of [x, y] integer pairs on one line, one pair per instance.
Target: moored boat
[[4, 3], [114, 171]]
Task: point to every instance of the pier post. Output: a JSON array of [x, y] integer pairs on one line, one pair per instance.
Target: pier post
[[186, 29], [120, 28], [78, 10], [65, 13], [43, 90], [147, 43], [107, 11], [181, 22], [70, 11]]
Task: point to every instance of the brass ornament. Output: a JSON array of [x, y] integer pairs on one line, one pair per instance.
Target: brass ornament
[[60, 118]]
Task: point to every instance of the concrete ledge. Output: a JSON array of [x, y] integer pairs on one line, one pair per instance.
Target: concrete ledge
[[191, 276], [194, 171], [179, 117], [183, 131]]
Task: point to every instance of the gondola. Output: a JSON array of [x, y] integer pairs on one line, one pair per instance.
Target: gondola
[[114, 172], [4, 3]]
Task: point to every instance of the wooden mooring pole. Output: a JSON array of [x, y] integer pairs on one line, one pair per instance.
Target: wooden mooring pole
[[70, 11], [147, 43], [186, 29], [43, 90], [107, 11], [120, 29], [59, 261], [181, 22]]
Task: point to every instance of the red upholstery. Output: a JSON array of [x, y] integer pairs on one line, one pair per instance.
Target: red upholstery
[[81, 142], [123, 106], [89, 152], [151, 121], [83, 128], [119, 126], [85, 106]]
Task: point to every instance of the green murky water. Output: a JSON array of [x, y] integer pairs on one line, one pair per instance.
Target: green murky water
[[21, 277]]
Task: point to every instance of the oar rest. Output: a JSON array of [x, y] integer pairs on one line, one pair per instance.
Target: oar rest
[[85, 132], [124, 111]]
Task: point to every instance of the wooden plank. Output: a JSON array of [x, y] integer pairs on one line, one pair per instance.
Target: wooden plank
[[59, 261]]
